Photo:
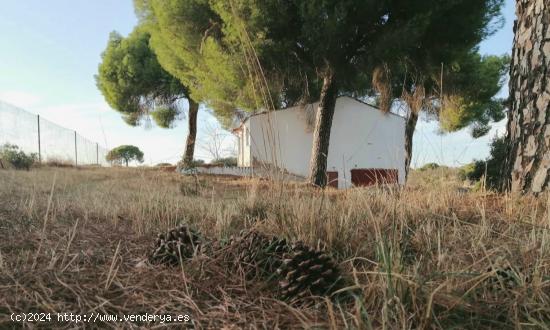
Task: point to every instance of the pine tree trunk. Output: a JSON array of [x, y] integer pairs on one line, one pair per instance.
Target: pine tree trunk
[[321, 134], [529, 118], [410, 127], [192, 135]]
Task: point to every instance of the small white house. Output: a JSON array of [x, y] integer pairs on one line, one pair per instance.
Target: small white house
[[367, 146]]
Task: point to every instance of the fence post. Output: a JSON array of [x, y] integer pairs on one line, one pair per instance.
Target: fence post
[[39, 147], [97, 152], [75, 151]]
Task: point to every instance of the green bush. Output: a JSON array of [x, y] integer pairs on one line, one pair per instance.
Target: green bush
[[194, 163], [227, 161], [491, 169], [17, 158], [466, 172], [197, 162], [189, 168]]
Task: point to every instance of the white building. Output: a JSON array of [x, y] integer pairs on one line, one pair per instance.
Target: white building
[[366, 145]]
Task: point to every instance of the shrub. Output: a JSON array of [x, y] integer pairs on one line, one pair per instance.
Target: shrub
[[429, 166], [227, 161], [58, 162], [17, 158], [491, 169], [195, 163], [467, 171]]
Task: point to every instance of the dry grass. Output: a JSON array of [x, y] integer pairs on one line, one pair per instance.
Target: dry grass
[[73, 240]]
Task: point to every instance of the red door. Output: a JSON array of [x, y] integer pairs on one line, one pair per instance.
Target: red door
[[332, 179], [361, 177]]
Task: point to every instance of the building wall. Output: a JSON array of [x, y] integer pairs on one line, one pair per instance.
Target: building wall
[[238, 171], [244, 145], [361, 137]]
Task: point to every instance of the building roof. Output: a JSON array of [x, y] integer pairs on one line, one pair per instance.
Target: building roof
[[238, 128]]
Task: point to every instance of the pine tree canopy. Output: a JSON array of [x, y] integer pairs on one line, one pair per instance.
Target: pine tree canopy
[[133, 82], [212, 46], [125, 154], [258, 54]]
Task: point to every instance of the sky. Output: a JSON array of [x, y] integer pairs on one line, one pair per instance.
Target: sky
[[50, 51]]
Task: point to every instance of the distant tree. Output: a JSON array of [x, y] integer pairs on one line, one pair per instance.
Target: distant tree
[[125, 154], [134, 83], [528, 133]]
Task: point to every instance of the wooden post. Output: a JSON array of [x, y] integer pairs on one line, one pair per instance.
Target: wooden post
[[75, 151], [97, 153], [39, 147]]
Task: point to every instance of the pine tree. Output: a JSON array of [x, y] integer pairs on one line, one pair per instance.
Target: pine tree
[[134, 84], [528, 166], [343, 42], [458, 92], [248, 54]]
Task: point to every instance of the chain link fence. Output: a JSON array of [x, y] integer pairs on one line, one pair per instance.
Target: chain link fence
[[51, 142]]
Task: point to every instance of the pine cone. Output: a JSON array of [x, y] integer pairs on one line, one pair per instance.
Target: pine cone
[[306, 271], [505, 278], [257, 251], [177, 244]]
